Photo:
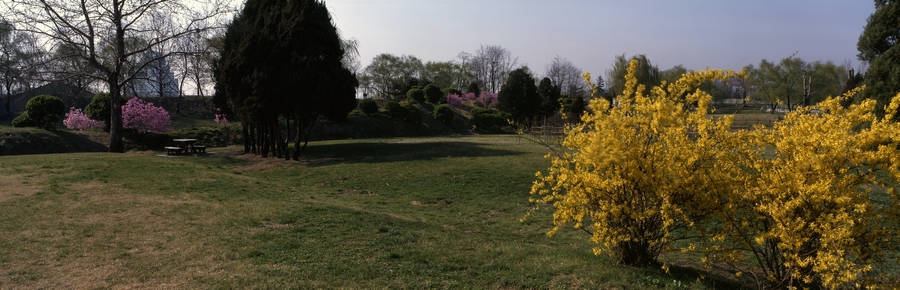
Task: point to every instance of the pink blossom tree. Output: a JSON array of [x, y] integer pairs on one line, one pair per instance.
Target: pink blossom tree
[[144, 117], [78, 120], [468, 96], [486, 98], [220, 118], [454, 100]]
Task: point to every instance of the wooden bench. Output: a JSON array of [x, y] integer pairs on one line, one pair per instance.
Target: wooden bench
[[198, 149], [174, 150]]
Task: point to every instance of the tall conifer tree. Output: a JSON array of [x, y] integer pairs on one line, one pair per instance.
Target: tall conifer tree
[[519, 96], [280, 70]]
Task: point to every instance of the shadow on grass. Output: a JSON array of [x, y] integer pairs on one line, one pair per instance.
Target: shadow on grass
[[371, 152], [21, 141], [709, 278]]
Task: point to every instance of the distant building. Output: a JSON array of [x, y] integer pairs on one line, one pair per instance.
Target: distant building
[[736, 90], [156, 79]]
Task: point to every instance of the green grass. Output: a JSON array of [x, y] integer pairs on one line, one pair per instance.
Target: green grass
[[746, 120], [376, 213]]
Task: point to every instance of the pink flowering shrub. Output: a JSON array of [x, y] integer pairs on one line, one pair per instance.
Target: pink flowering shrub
[[453, 100], [468, 96], [486, 99], [144, 117], [220, 118], [78, 120]]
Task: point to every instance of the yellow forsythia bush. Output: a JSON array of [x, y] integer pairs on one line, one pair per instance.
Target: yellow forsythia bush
[[636, 174], [816, 205], [808, 203]]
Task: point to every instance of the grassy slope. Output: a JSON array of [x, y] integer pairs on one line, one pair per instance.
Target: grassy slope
[[395, 213], [17, 141]]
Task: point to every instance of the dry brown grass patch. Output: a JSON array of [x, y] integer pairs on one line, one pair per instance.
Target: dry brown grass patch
[[113, 237], [19, 185], [19, 182]]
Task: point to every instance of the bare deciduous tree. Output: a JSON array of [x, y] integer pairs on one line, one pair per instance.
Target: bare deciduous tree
[[194, 66], [567, 77], [91, 26], [20, 61], [66, 67], [491, 65]]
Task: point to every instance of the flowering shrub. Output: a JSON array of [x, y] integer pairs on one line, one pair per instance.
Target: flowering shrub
[[144, 117], [818, 206], [78, 120], [809, 203], [454, 101], [468, 96], [486, 99], [221, 119], [634, 178]]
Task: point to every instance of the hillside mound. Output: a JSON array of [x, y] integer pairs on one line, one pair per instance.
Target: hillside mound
[[19, 142]]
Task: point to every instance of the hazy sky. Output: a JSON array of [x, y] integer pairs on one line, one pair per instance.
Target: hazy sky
[[694, 33]]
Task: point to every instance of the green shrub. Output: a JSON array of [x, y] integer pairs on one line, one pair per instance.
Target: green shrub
[[392, 108], [485, 119], [99, 109], [443, 114], [368, 107], [416, 93], [41, 111], [480, 111], [412, 114], [407, 113], [22, 120], [433, 94]]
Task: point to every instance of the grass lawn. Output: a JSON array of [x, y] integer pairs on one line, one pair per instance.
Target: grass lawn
[[746, 119], [376, 213]]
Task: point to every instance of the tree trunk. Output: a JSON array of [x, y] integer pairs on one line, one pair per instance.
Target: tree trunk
[[251, 138], [272, 128], [115, 92], [635, 253], [274, 136], [115, 121], [245, 132], [287, 138], [263, 140], [8, 100], [790, 109], [297, 149], [8, 95]]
